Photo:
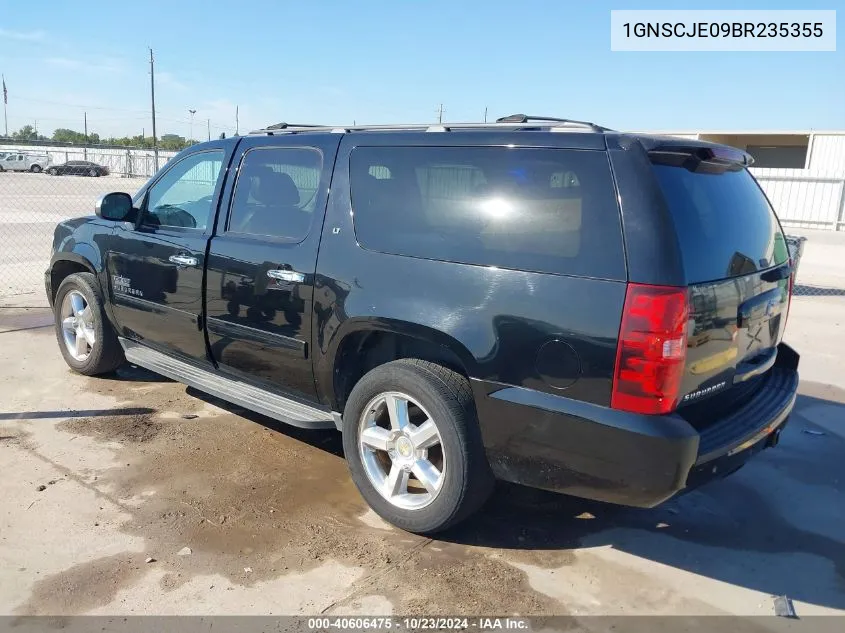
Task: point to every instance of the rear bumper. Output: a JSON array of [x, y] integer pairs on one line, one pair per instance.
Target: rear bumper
[[551, 442]]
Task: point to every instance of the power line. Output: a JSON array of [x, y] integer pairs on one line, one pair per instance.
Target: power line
[[144, 113], [141, 115], [74, 105]]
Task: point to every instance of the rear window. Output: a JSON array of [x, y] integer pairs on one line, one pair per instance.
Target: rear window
[[726, 227], [543, 210]]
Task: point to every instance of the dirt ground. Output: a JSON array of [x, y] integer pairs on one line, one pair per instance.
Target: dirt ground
[[106, 482]]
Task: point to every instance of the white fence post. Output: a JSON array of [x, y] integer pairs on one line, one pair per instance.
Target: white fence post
[[840, 219]]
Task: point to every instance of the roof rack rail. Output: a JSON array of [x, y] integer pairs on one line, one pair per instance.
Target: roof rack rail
[[526, 118], [284, 126], [514, 122]]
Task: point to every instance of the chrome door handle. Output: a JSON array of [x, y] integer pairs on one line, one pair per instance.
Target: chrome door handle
[[286, 275], [183, 260]]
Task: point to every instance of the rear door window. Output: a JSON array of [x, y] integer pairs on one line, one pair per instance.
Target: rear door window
[[276, 192], [544, 210], [725, 224]]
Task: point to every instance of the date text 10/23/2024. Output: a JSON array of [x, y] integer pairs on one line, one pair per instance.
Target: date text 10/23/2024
[[419, 623]]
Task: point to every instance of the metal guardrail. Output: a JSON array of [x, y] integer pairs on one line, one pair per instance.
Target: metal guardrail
[[802, 198]]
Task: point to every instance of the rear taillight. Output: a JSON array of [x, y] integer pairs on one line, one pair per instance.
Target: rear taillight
[[652, 349]]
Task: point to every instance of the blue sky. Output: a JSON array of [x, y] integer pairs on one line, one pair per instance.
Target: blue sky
[[381, 62]]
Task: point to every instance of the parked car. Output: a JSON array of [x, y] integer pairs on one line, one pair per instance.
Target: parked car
[[78, 168], [544, 301], [25, 161]]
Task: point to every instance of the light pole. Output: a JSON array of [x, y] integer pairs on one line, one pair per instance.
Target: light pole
[[191, 139]]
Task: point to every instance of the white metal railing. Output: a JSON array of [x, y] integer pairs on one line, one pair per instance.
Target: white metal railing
[[805, 198], [129, 162]]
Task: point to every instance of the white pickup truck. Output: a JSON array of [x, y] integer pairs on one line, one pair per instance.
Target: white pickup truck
[[24, 161]]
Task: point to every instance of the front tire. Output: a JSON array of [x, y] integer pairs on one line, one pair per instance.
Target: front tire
[[53, 171], [411, 438], [93, 173], [86, 338]]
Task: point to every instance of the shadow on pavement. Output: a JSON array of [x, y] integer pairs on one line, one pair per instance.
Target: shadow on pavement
[[24, 329], [132, 373], [77, 413], [776, 526], [326, 440]]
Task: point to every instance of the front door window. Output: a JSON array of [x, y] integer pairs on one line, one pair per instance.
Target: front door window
[[183, 196]]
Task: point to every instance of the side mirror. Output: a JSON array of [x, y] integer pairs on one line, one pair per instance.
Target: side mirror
[[114, 206]]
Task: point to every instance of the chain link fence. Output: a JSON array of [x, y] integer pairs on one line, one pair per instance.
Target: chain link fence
[[43, 185], [32, 201]]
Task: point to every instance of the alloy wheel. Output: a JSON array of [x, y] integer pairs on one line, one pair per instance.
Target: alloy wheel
[[78, 325], [401, 450]]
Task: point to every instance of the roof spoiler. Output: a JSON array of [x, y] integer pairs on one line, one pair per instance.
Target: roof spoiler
[[693, 156]]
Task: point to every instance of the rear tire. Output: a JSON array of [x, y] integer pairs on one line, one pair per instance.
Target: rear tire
[[93, 173], [78, 312], [455, 478], [35, 169], [53, 171]]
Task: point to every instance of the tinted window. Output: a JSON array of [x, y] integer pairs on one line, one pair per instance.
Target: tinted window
[[543, 210], [184, 194], [276, 192], [725, 225]]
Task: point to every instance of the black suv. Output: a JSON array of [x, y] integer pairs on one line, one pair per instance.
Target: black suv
[[540, 300]]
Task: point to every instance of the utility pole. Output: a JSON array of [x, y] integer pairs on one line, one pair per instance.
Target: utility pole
[[208, 123], [191, 139], [440, 112], [237, 125], [5, 102], [85, 148], [153, 100]]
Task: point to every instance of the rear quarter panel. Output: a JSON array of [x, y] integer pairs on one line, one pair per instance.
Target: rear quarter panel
[[496, 320]]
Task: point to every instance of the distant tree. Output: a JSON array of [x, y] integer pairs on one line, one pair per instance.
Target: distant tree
[[64, 135], [26, 133], [130, 141], [170, 142]]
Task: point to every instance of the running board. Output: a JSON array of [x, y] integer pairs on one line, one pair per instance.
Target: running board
[[240, 393]]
